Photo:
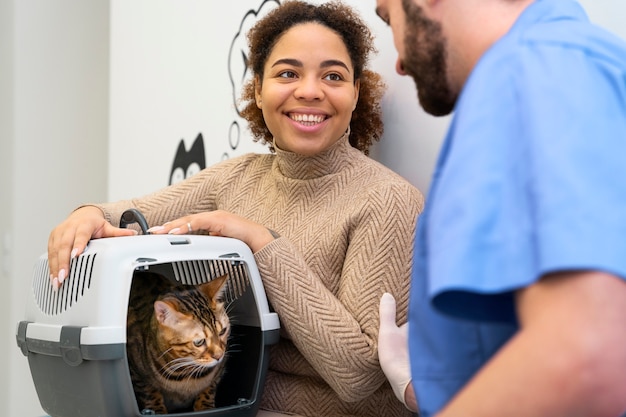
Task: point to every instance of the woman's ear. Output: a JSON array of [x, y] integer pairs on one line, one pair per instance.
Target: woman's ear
[[357, 86], [257, 91]]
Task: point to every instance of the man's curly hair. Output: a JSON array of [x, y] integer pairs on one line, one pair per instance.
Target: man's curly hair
[[366, 124]]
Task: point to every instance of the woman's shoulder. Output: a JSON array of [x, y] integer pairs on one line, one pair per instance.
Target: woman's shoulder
[[376, 179], [381, 175]]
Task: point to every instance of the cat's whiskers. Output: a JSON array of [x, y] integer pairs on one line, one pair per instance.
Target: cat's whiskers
[[188, 366], [228, 309], [228, 306], [171, 368], [164, 353], [230, 347], [178, 363], [197, 370], [228, 354]]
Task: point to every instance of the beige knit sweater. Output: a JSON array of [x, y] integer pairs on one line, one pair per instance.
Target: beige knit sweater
[[347, 225]]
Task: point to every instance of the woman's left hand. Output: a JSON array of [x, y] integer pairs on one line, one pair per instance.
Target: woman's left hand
[[219, 223]]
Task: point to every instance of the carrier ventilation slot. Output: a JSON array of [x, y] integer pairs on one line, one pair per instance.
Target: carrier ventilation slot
[[53, 302], [197, 271]]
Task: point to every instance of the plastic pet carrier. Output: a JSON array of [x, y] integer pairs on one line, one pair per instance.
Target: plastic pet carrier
[[75, 338]]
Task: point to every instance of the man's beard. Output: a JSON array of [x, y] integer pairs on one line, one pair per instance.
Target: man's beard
[[425, 61]]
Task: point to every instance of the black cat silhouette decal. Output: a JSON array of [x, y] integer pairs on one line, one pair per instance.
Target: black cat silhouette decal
[[188, 162]]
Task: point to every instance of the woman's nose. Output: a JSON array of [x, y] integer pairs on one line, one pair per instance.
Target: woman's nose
[[309, 88]]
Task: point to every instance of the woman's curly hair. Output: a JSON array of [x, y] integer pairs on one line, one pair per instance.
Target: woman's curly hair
[[366, 124]]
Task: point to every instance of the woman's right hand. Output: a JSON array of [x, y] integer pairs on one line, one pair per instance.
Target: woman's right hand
[[69, 239]]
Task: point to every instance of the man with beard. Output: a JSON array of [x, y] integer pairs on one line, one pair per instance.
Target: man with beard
[[518, 296]]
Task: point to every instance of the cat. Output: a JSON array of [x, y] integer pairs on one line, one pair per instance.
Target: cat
[[176, 343]]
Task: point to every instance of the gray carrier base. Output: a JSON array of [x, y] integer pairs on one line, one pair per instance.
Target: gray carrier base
[[75, 342]]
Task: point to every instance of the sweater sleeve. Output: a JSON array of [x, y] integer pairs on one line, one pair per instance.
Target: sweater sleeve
[[336, 329], [196, 194]]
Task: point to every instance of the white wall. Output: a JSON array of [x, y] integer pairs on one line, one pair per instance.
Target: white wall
[[56, 57], [7, 349], [54, 153]]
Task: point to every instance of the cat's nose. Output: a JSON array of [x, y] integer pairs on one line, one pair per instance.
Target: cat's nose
[[217, 353]]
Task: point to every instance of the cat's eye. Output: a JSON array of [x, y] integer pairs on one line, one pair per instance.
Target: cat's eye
[[198, 342], [223, 331]]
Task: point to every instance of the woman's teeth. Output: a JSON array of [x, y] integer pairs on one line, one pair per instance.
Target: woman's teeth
[[307, 119]]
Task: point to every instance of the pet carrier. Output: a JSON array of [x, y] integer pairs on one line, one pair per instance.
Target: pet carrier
[[75, 337]]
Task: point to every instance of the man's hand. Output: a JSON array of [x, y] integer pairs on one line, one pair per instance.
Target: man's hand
[[393, 351]]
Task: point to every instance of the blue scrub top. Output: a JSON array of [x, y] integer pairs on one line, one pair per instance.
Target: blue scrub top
[[531, 179]]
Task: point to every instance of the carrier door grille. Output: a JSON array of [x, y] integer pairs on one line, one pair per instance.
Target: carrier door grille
[[53, 302], [201, 271]]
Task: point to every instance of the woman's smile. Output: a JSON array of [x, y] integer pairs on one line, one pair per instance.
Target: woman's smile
[[307, 119]]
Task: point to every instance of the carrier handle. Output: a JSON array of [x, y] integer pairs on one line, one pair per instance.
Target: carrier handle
[[131, 216]]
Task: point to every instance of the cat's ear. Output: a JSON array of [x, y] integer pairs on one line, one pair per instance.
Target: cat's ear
[[165, 313], [214, 289]]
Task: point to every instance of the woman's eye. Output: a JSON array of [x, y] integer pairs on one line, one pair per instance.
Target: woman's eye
[[198, 342], [287, 74], [334, 77]]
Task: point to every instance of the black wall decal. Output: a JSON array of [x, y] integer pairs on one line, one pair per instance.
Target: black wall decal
[[188, 162]]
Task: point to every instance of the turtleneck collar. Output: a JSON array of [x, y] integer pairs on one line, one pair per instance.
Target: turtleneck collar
[[330, 161]]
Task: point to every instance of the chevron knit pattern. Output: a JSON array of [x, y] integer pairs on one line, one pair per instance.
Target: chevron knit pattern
[[347, 225]]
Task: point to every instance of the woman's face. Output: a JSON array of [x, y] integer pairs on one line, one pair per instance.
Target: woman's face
[[308, 93]]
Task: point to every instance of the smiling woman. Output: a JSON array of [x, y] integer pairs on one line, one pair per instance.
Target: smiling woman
[[331, 230], [308, 90]]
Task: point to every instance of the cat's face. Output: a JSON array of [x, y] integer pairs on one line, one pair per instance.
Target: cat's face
[[194, 327], [186, 336]]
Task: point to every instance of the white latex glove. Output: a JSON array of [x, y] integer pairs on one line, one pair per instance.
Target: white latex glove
[[393, 348]]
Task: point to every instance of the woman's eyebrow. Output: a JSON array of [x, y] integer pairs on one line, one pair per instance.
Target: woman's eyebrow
[[288, 61], [334, 62], [298, 63]]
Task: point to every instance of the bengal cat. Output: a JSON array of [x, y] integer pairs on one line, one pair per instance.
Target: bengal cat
[[176, 343]]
